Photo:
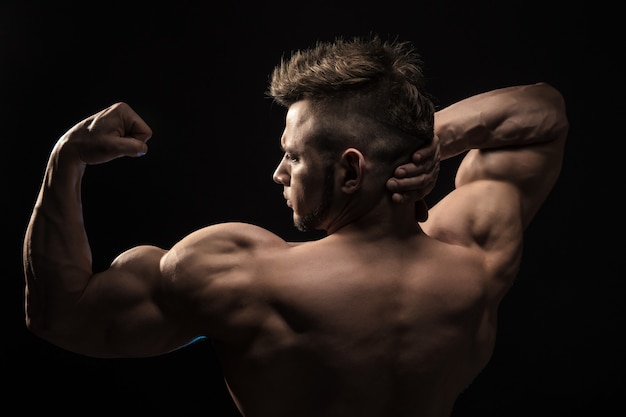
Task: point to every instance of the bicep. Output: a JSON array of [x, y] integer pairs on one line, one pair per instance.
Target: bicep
[[532, 170]]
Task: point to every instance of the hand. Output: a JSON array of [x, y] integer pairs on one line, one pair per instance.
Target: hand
[[413, 181], [111, 133]]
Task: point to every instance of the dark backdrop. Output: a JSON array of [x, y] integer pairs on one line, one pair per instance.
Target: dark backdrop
[[197, 75]]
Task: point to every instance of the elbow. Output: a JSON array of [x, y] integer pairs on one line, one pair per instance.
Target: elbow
[[57, 334], [37, 324], [37, 320], [551, 123], [38, 328], [556, 102], [44, 323], [561, 119], [32, 317]]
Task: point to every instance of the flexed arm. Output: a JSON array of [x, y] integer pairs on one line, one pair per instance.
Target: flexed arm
[[513, 134], [57, 256], [494, 127], [514, 141]]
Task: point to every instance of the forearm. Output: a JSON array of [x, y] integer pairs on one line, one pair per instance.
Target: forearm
[[57, 256], [510, 116]]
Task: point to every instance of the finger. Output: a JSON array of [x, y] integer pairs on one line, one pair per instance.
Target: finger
[[427, 153], [408, 170], [134, 126], [405, 184], [418, 165], [392, 184], [400, 198], [130, 147], [407, 197]]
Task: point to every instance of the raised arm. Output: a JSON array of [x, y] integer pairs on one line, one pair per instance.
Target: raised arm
[[513, 134], [513, 139], [60, 283], [149, 301]]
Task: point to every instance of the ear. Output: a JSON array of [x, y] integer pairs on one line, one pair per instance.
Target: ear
[[352, 166]]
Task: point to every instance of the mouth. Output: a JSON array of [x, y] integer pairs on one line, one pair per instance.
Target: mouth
[[287, 200]]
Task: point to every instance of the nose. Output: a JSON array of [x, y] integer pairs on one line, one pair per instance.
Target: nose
[[281, 175]]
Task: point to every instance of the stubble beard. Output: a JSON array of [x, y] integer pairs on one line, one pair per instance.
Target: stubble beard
[[313, 220]]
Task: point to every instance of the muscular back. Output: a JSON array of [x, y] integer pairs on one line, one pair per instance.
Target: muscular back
[[375, 320], [337, 327], [378, 319]]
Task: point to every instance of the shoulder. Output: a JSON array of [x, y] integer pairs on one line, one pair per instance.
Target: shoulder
[[209, 272], [239, 233], [224, 238]]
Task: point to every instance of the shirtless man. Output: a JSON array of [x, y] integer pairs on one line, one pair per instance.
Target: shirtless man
[[385, 315]]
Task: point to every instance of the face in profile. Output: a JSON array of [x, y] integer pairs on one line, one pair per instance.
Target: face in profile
[[307, 179]]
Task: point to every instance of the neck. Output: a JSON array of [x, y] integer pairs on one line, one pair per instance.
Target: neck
[[382, 219]]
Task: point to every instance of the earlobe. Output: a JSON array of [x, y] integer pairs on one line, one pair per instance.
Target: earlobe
[[352, 162]]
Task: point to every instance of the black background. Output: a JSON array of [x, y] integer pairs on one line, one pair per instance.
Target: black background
[[197, 72]]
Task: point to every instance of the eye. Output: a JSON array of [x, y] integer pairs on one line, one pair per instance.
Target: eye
[[290, 157]]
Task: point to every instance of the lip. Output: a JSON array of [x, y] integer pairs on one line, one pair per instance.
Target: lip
[[287, 200]]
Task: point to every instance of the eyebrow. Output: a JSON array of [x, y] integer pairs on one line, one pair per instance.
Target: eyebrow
[[285, 149]]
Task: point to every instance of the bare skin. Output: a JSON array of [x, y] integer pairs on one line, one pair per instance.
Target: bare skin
[[383, 317]]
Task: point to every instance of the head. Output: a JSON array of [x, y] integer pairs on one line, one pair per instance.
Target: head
[[356, 110]]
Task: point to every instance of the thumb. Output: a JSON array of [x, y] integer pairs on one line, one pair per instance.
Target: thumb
[[129, 146]]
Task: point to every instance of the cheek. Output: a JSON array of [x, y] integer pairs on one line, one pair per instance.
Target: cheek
[[298, 182], [299, 188]]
